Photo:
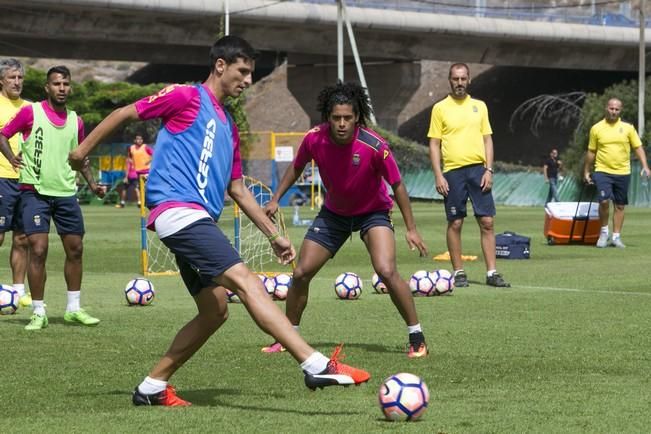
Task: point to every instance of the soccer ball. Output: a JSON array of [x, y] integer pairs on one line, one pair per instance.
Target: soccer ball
[[231, 297], [422, 283], [281, 284], [8, 300], [348, 286], [139, 292], [268, 283], [378, 285], [403, 397], [443, 282]]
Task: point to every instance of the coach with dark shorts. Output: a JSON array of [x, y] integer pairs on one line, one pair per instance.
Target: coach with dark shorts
[[460, 137], [609, 150]]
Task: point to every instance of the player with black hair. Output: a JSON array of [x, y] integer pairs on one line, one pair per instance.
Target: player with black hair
[[354, 163], [48, 190], [197, 160]]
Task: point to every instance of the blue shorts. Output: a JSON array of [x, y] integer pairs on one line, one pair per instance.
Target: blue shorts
[[331, 230], [464, 183], [613, 187], [202, 253], [10, 218], [37, 210], [130, 182]]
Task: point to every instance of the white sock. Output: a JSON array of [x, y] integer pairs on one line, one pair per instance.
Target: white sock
[[604, 230], [151, 385], [616, 235], [39, 307], [73, 301], [20, 288], [489, 273], [315, 364], [416, 328]]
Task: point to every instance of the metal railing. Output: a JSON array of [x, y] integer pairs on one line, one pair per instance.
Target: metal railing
[[618, 14]]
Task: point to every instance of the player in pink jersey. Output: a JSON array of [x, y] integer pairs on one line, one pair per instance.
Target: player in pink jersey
[[355, 163], [199, 138]]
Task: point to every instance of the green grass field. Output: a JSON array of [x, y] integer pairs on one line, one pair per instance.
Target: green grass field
[[566, 349]]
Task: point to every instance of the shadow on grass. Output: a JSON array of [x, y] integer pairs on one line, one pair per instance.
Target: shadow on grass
[[275, 410], [215, 398], [373, 348]]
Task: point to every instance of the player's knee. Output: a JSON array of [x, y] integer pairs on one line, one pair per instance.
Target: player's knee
[[213, 320], [300, 278], [251, 287], [75, 252], [38, 252], [486, 224], [387, 272], [455, 225]]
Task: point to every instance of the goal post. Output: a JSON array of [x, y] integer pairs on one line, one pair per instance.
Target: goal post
[[252, 245]]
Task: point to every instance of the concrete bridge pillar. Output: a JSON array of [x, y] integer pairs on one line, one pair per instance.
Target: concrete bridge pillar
[[391, 84]]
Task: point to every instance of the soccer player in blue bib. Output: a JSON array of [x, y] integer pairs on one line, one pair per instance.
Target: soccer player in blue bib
[[196, 160]]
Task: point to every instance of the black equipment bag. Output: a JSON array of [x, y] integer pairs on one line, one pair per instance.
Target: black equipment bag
[[510, 245]]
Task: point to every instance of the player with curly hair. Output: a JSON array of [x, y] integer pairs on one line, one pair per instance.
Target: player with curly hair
[[355, 163]]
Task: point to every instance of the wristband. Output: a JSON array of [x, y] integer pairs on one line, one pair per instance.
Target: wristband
[[490, 169], [273, 237]]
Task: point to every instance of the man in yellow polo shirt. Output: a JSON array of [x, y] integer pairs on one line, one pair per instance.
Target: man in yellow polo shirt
[[460, 138], [11, 86], [609, 149]]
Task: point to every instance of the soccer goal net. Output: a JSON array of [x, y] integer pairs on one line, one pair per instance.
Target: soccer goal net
[[253, 246]]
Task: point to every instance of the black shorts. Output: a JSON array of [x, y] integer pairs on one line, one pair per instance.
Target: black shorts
[[37, 210], [202, 253], [613, 187], [131, 182], [464, 183], [10, 216], [331, 230]]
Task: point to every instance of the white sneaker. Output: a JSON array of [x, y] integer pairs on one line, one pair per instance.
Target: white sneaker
[[617, 242], [602, 241]]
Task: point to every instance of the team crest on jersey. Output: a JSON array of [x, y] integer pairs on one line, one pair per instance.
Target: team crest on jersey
[[37, 220], [356, 159], [475, 109]]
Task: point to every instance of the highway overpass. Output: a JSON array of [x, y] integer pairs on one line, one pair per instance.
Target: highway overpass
[[179, 31]]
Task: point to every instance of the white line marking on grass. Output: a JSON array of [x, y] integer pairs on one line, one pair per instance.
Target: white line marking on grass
[[594, 291]]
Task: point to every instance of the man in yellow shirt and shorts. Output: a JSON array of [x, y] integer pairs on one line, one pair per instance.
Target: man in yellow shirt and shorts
[[12, 75], [460, 138], [609, 150]]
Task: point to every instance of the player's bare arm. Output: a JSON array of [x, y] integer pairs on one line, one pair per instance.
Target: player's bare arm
[[487, 179], [90, 179], [414, 240], [435, 157], [641, 156], [15, 160], [587, 166], [101, 131], [245, 200], [289, 178]]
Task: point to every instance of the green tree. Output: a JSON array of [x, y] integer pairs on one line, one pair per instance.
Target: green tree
[[93, 101]]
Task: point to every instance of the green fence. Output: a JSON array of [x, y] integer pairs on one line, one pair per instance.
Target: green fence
[[528, 188]]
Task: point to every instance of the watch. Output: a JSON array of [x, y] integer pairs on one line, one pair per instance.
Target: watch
[[490, 169]]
